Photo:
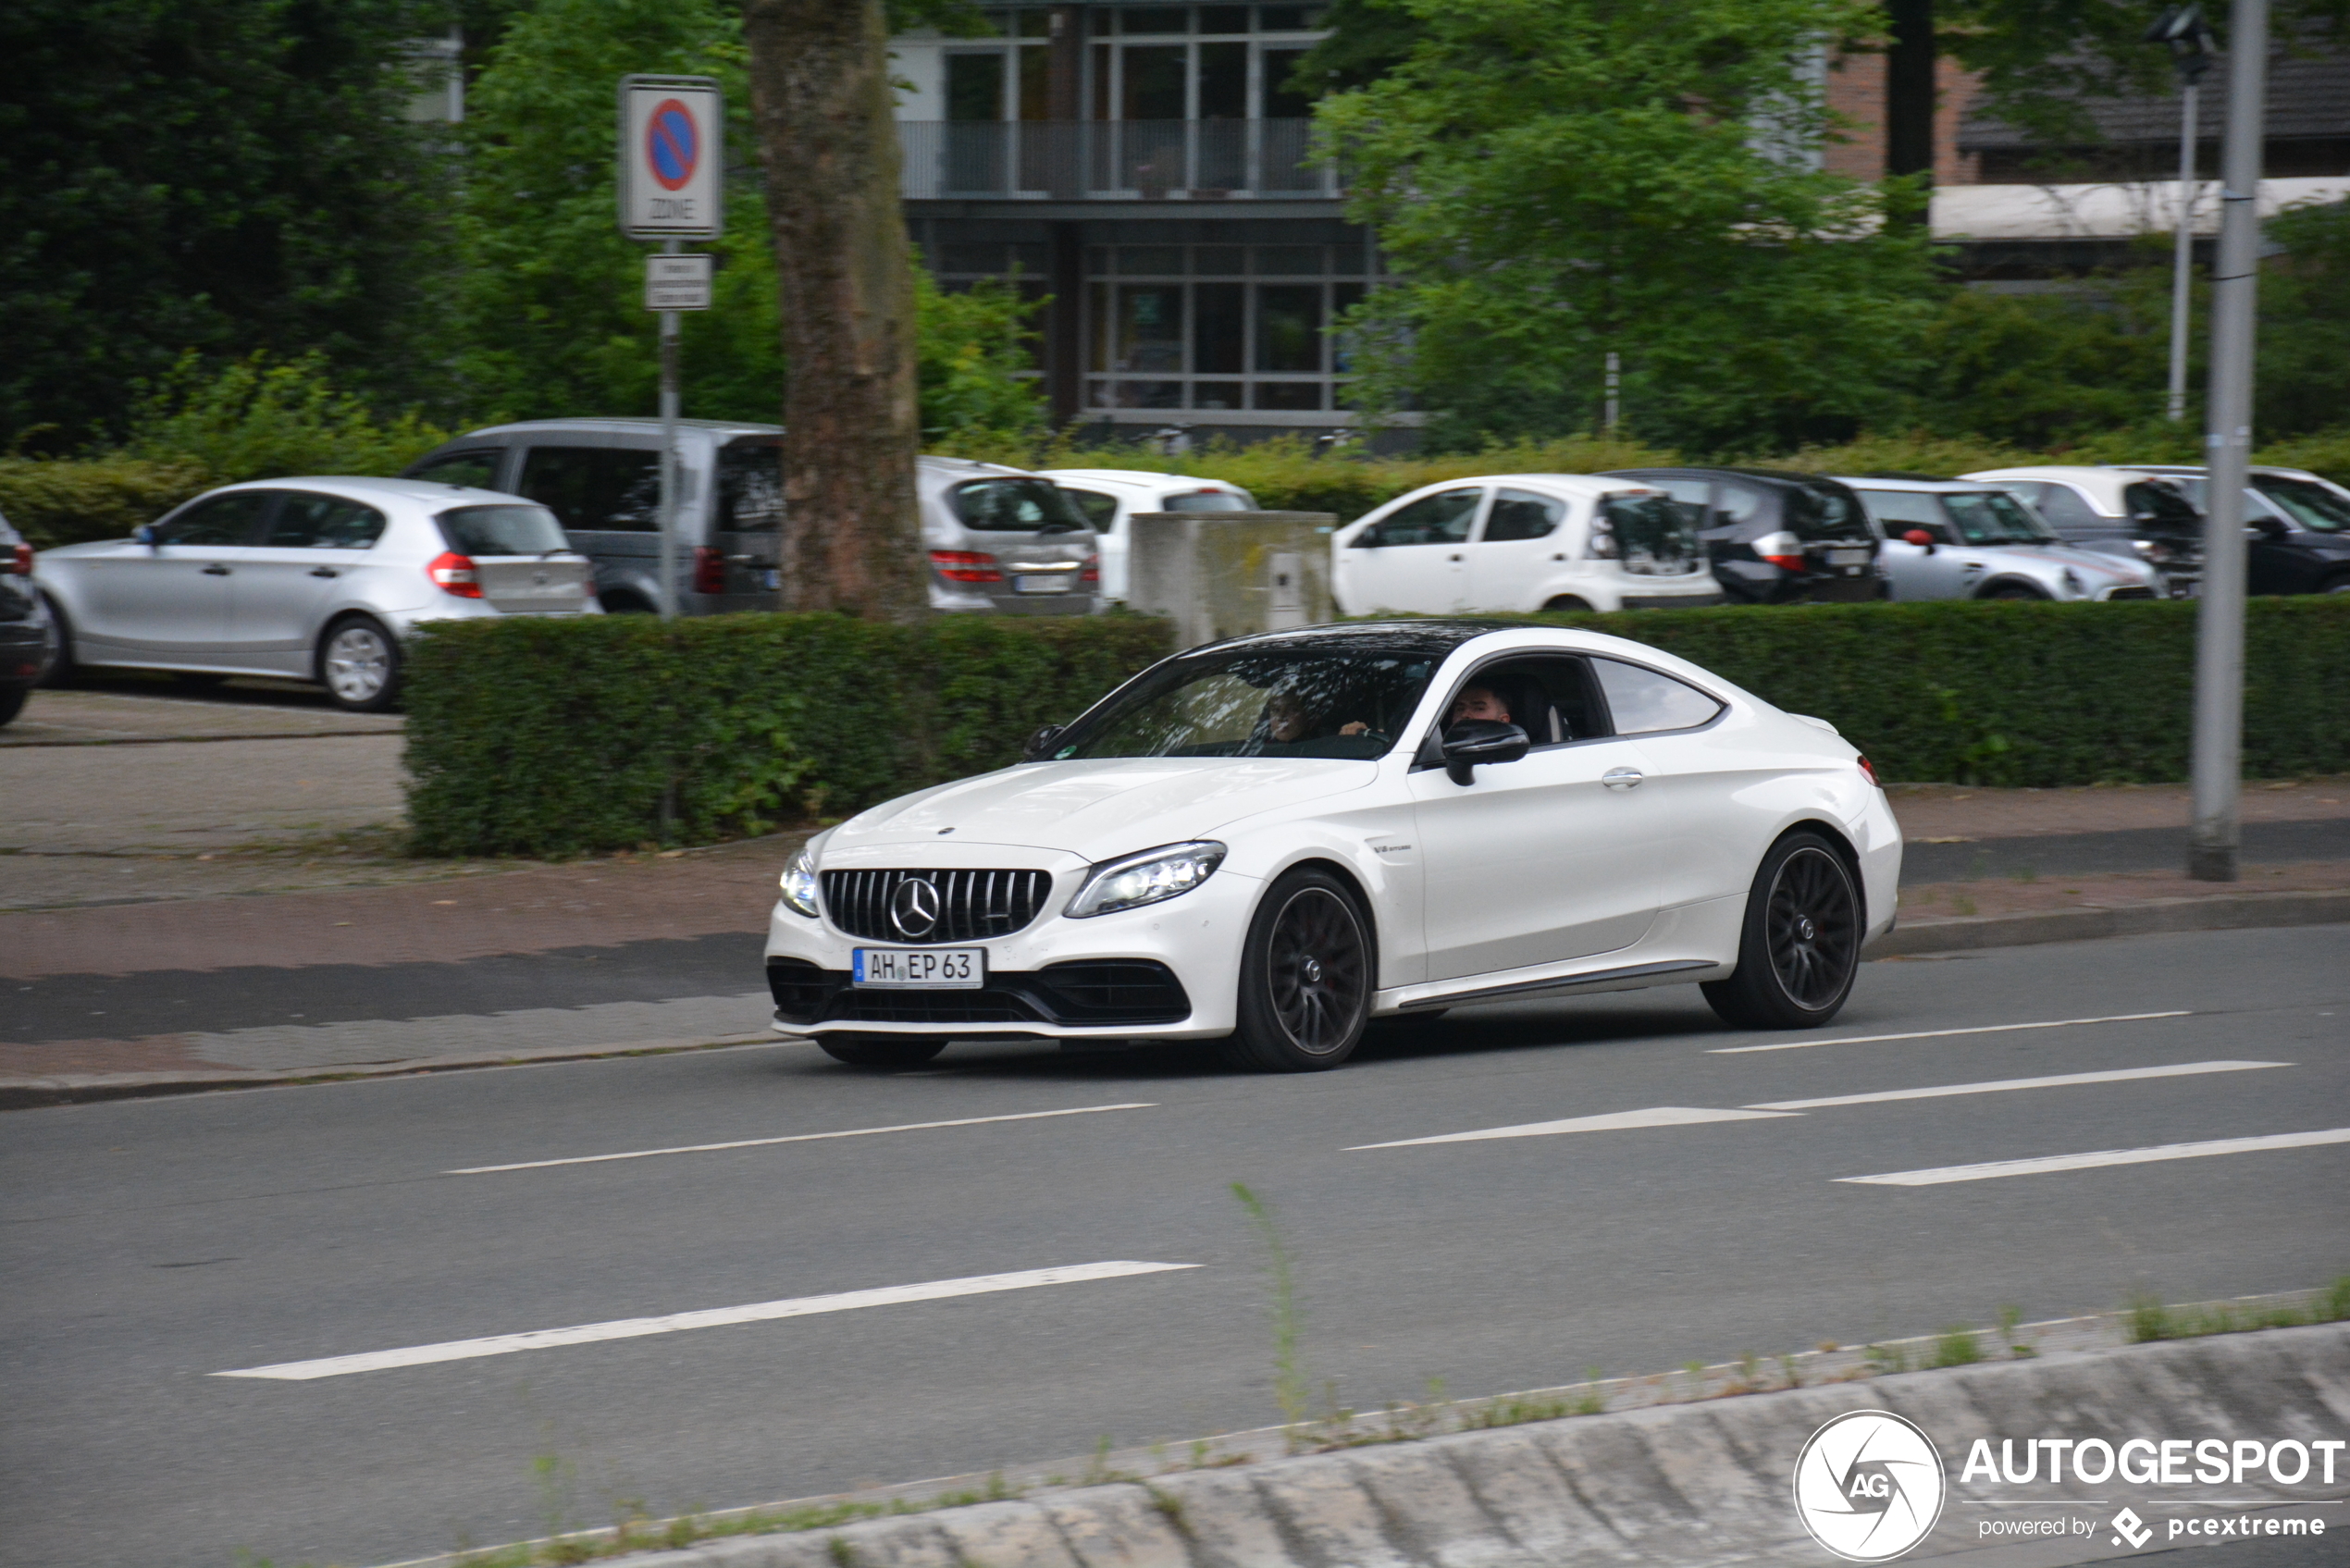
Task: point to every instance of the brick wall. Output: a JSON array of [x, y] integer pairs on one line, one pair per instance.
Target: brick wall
[[1855, 90]]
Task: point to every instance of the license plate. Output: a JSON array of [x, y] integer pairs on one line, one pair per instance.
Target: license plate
[[920, 968], [1848, 558], [1042, 585]]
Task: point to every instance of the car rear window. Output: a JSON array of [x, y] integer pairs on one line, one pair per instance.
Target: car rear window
[[1206, 500], [1015, 505], [750, 488], [1816, 512], [502, 530], [2161, 506]]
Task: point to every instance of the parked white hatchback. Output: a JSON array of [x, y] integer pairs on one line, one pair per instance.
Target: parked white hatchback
[[1270, 840], [1522, 542], [1110, 497], [313, 579]]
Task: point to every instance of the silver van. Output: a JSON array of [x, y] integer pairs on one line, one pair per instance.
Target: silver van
[[999, 538]]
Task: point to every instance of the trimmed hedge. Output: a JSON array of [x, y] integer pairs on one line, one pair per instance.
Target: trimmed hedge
[[2025, 693], [556, 737]]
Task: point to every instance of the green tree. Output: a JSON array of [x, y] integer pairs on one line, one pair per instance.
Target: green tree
[[2303, 382], [224, 175], [1553, 180]]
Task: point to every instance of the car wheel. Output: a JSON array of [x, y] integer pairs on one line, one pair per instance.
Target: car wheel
[[1799, 945], [1563, 604], [359, 665], [2336, 585], [12, 701], [2009, 591], [879, 1050], [57, 654], [1305, 978], [625, 604]]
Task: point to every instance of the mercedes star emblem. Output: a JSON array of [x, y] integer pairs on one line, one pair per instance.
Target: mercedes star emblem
[[914, 909]]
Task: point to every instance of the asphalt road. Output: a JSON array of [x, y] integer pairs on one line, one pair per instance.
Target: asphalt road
[[151, 1244]]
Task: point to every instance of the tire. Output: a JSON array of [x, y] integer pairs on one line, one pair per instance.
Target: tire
[[625, 604], [2336, 585], [879, 1050], [1563, 604], [1786, 979], [359, 664], [12, 700], [59, 669], [2010, 592], [1306, 975]]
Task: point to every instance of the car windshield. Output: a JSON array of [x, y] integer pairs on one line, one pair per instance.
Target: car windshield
[[502, 530], [2307, 502], [1028, 506], [1994, 517], [1293, 703], [1653, 535]]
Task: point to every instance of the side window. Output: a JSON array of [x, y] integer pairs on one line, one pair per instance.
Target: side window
[[307, 522], [1898, 512], [1642, 701], [1520, 514], [232, 519], [1099, 510], [1437, 520], [2060, 504], [478, 468], [1735, 504], [594, 488], [750, 488], [1547, 697]]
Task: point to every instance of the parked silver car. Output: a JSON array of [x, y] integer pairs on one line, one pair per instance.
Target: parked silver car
[[2136, 513], [602, 478], [1958, 540], [311, 579]]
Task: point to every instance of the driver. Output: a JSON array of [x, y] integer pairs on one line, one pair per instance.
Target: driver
[[1479, 702], [1287, 721]]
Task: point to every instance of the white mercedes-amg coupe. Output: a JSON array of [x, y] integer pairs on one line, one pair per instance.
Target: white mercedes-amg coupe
[[1270, 841]]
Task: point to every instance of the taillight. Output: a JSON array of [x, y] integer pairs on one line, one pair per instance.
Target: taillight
[[20, 562], [1782, 550], [1091, 570], [454, 574], [966, 566], [709, 571], [1867, 771]]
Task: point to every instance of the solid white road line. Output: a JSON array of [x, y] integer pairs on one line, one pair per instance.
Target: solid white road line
[[797, 1138], [1999, 1085], [1941, 1174], [757, 1311], [1656, 1115], [1939, 1033]]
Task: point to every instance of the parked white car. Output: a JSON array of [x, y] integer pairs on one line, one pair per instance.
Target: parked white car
[[1522, 542], [1269, 841], [317, 579], [1960, 540], [1110, 497], [2136, 514]]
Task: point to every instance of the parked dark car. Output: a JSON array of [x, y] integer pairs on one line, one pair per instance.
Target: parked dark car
[[2296, 526], [25, 643], [1775, 538]]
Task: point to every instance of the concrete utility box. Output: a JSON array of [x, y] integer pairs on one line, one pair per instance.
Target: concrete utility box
[[1225, 573]]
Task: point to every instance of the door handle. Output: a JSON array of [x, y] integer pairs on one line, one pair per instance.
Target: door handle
[[215, 570], [324, 572], [1451, 557], [1622, 778]]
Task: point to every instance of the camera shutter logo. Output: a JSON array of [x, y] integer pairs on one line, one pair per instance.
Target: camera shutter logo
[[914, 909], [1869, 1486]]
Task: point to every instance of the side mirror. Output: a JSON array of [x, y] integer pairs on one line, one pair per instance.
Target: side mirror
[[1040, 744], [144, 533], [1480, 740], [2268, 528], [1921, 538]]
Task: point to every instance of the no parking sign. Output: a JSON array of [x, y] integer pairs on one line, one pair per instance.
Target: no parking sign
[[672, 157]]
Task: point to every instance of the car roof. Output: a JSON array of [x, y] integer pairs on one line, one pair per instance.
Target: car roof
[[1141, 477], [599, 425], [967, 468], [1693, 471], [1584, 485], [368, 487], [1930, 486]]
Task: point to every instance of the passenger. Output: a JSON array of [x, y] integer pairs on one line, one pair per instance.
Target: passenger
[[1479, 702]]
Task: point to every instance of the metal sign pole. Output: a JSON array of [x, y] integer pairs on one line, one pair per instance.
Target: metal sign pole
[[2183, 253], [669, 455], [2219, 663]]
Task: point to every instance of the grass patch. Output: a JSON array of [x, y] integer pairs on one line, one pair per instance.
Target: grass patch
[[2147, 1319]]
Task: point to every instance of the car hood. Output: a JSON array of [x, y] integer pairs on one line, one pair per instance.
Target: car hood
[[1099, 809], [2083, 561]]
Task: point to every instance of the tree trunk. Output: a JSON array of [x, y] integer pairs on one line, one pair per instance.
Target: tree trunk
[[1909, 91], [820, 98]]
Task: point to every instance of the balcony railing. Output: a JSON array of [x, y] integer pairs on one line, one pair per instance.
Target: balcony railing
[[1114, 160]]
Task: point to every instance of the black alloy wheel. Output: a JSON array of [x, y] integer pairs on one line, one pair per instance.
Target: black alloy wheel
[[879, 1050], [1305, 978], [1799, 946]]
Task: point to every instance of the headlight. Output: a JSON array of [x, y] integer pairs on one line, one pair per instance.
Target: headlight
[[1147, 878], [799, 885]]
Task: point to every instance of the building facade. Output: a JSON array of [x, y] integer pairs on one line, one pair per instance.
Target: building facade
[[1147, 168]]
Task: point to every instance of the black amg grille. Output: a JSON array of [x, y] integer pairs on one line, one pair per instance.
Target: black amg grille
[[972, 906], [1095, 991]]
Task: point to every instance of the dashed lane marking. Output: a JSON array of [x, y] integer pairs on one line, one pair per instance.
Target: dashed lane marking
[[719, 1317], [1655, 1115], [797, 1138], [1940, 1174], [1999, 1085], [1941, 1033]]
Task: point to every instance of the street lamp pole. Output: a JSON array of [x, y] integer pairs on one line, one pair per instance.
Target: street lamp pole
[[2218, 675], [2181, 28]]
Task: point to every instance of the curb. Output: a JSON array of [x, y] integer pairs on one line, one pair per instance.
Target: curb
[[1689, 1485], [2234, 912], [79, 1089]]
